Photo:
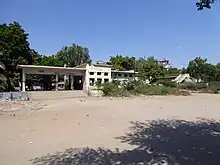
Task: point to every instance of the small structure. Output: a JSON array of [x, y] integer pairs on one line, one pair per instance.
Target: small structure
[[77, 74], [184, 78], [165, 63]]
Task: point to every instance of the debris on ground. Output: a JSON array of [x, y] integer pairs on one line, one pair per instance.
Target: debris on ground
[[9, 106]]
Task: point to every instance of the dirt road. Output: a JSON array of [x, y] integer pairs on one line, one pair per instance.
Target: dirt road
[[93, 122]]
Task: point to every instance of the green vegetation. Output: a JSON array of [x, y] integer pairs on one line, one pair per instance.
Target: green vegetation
[[201, 4], [159, 88], [137, 88]]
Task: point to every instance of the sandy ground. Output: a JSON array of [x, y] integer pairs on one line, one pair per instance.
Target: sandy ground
[[95, 122]]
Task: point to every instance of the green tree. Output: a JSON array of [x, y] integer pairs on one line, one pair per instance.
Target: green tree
[[173, 71], [50, 61], [209, 72], [14, 48], [122, 63], [74, 55], [201, 4], [196, 67], [151, 70], [217, 67], [199, 68]]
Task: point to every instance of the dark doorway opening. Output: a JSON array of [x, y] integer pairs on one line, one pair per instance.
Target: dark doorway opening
[[78, 83]]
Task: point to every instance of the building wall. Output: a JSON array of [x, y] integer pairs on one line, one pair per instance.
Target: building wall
[[123, 75], [98, 74]]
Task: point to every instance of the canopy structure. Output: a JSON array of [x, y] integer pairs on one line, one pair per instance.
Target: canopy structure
[[49, 70]]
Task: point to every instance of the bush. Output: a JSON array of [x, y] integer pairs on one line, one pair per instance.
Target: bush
[[139, 88], [193, 86], [182, 93], [215, 86], [167, 83], [109, 89]]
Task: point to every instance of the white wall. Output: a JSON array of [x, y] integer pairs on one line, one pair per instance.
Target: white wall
[[94, 70]]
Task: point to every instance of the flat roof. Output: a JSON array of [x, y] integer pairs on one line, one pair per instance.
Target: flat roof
[[50, 67], [125, 71]]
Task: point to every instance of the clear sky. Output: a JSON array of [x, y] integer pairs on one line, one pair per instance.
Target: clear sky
[[163, 28]]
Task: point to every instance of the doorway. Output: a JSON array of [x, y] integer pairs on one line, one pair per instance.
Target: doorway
[[78, 83]]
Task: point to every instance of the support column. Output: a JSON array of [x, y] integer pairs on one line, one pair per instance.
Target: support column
[[56, 83], [86, 81], [72, 80], [23, 86]]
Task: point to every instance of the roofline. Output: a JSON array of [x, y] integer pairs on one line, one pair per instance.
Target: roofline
[[125, 71], [49, 67]]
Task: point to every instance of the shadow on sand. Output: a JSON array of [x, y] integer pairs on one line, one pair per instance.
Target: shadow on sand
[[184, 142]]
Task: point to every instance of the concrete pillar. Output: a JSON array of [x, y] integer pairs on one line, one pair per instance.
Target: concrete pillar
[[72, 80], [65, 77], [56, 82], [23, 86], [86, 81]]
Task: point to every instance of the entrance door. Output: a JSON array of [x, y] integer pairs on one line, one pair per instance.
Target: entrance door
[[78, 83]]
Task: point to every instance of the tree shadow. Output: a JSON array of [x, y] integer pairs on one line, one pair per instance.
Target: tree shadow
[[184, 142]]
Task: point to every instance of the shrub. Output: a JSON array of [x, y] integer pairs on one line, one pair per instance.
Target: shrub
[[215, 86], [182, 93], [193, 86], [167, 83], [137, 88], [109, 89]]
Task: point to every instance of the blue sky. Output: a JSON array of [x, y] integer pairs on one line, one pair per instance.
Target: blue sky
[[165, 28]]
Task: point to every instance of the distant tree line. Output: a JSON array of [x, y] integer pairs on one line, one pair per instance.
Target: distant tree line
[[149, 68]]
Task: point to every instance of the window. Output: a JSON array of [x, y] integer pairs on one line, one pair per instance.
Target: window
[[91, 81], [99, 73], [119, 75], [130, 75], [125, 75], [106, 80], [106, 74], [91, 73], [99, 80]]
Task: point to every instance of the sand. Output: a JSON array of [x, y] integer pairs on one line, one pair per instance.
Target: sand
[[92, 122]]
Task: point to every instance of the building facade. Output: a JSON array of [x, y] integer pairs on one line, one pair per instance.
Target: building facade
[[80, 77]]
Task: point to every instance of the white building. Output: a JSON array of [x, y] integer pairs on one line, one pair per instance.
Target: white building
[[165, 63], [82, 77]]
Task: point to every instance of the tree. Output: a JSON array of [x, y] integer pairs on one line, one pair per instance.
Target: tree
[[14, 48], [209, 72], [201, 70], [217, 67], [201, 4], [74, 55], [51, 61], [150, 69], [122, 63], [173, 71]]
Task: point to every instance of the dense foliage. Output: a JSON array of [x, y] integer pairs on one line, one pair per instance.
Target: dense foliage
[[14, 50], [74, 55], [201, 4]]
